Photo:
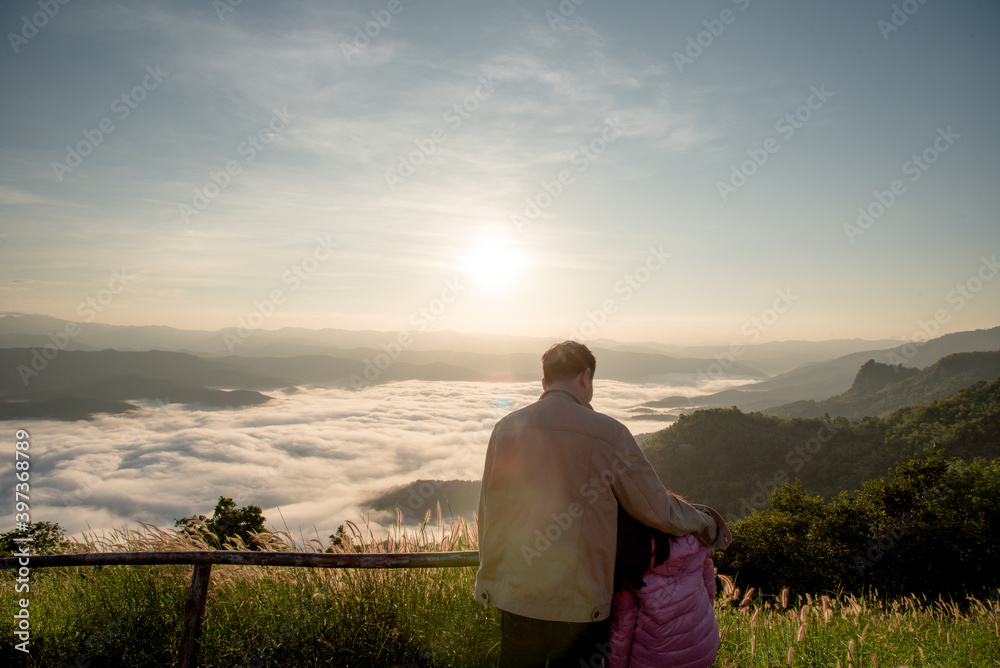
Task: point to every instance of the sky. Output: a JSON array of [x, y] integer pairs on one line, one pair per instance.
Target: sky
[[665, 171]]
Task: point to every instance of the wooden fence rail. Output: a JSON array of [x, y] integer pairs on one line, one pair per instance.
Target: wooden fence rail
[[194, 606]]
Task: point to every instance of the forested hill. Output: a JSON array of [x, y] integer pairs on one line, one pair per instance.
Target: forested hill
[[731, 460], [881, 388]]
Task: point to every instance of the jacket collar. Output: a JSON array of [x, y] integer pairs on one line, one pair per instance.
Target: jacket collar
[[567, 391]]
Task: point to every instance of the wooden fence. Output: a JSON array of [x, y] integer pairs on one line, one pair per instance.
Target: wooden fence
[[194, 606]]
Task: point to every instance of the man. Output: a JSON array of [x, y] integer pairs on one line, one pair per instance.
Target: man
[[556, 472]]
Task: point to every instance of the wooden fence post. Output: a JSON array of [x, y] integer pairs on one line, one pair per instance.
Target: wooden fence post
[[194, 605], [194, 614]]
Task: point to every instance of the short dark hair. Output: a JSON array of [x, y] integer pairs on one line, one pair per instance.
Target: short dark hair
[[566, 360]]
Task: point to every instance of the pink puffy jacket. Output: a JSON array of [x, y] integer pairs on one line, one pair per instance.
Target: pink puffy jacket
[[670, 621]]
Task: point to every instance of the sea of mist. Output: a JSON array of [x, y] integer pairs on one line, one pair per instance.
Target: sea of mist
[[310, 458]]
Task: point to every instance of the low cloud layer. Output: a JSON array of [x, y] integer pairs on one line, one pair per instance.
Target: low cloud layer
[[315, 454]]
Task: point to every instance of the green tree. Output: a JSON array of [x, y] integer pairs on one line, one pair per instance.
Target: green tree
[[46, 538], [931, 527], [228, 525]]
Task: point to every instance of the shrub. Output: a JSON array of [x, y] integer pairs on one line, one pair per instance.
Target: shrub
[[931, 528]]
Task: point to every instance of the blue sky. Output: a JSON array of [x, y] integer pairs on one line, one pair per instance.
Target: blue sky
[[266, 159]]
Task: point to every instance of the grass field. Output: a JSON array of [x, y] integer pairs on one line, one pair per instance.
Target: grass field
[[272, 616]]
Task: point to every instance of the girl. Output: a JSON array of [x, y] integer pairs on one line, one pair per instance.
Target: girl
[[662, 612]]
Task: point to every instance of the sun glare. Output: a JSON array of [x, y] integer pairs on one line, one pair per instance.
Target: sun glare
[[494, 265]]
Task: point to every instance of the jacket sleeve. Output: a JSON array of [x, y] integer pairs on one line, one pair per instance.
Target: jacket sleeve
[[642, 495], [623, 619]]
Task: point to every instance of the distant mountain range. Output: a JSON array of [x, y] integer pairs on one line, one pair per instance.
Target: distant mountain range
[[35, 331], [773, 358], [46, 373], [51, 382], [111, 395], [58, 369], [27, 370], [882, 388], [61, 408], [820, 381]]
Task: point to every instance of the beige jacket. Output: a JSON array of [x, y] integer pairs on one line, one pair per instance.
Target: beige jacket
[[548, 512]]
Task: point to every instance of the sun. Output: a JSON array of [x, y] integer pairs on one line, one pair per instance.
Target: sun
[[494, 265]]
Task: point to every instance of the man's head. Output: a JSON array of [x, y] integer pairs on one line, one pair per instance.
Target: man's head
[[570, 364]]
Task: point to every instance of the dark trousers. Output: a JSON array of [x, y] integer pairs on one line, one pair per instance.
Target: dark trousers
[[528, 643]]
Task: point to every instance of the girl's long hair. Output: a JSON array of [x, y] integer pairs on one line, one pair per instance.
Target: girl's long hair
[[633, 554]]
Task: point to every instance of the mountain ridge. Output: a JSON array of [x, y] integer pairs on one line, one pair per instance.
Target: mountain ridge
[[881, 388], [821, 381]]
